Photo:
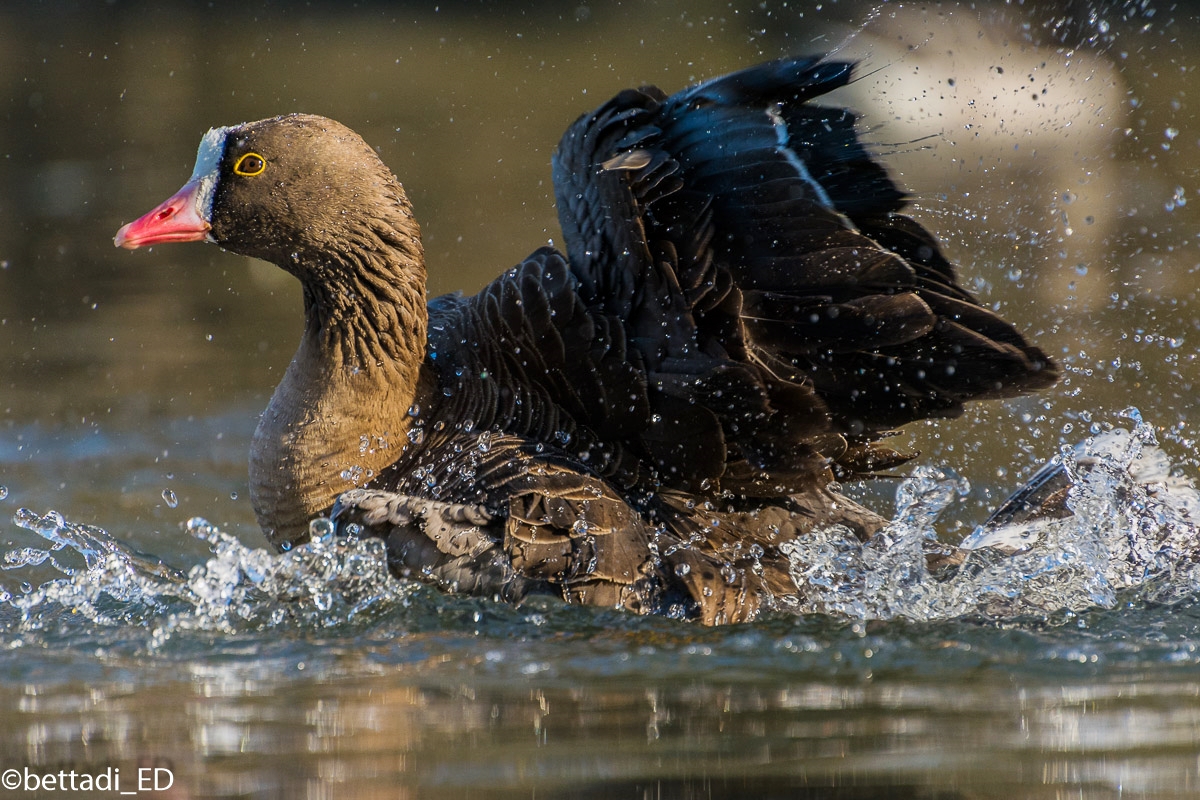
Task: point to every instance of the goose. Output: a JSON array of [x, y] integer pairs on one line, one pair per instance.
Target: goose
[[741, 316]]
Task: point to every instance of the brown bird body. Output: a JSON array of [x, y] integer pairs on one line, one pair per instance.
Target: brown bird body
[[639, 422]]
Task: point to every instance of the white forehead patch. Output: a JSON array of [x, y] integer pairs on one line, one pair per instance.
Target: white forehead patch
[[206, 172]]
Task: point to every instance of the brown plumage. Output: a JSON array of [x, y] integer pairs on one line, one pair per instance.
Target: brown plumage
[[641, 422]]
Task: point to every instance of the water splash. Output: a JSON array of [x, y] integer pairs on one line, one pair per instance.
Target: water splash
[[327, 582], [1131, 534]]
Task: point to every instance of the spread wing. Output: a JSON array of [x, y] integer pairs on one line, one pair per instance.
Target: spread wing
[[740, 222]]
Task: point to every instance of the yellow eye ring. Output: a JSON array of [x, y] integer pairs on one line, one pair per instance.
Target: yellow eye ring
[[250, 164]]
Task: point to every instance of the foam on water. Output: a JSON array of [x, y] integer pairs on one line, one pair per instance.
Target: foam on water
[[1131, 538]]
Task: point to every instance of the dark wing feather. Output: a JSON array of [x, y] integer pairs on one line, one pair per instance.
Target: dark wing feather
[[767, 237], [528, 357]]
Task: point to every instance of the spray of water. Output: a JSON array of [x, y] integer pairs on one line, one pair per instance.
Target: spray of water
[[1130, 536]]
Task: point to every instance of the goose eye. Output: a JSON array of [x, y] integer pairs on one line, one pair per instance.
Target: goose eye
[[250, 164]]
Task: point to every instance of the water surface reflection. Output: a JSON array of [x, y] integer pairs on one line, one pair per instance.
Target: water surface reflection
[[229, 732]]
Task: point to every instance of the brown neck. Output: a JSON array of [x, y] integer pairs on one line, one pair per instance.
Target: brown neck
[[340, 415]]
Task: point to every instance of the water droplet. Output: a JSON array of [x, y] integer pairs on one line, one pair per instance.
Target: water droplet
[[169, 497], [3, 492], [321, 529], [682, 569], [233, 495]]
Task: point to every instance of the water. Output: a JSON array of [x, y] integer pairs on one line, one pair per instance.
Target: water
[[1132, 533], [1131, 539], [1050, 620], [1050, 150]]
